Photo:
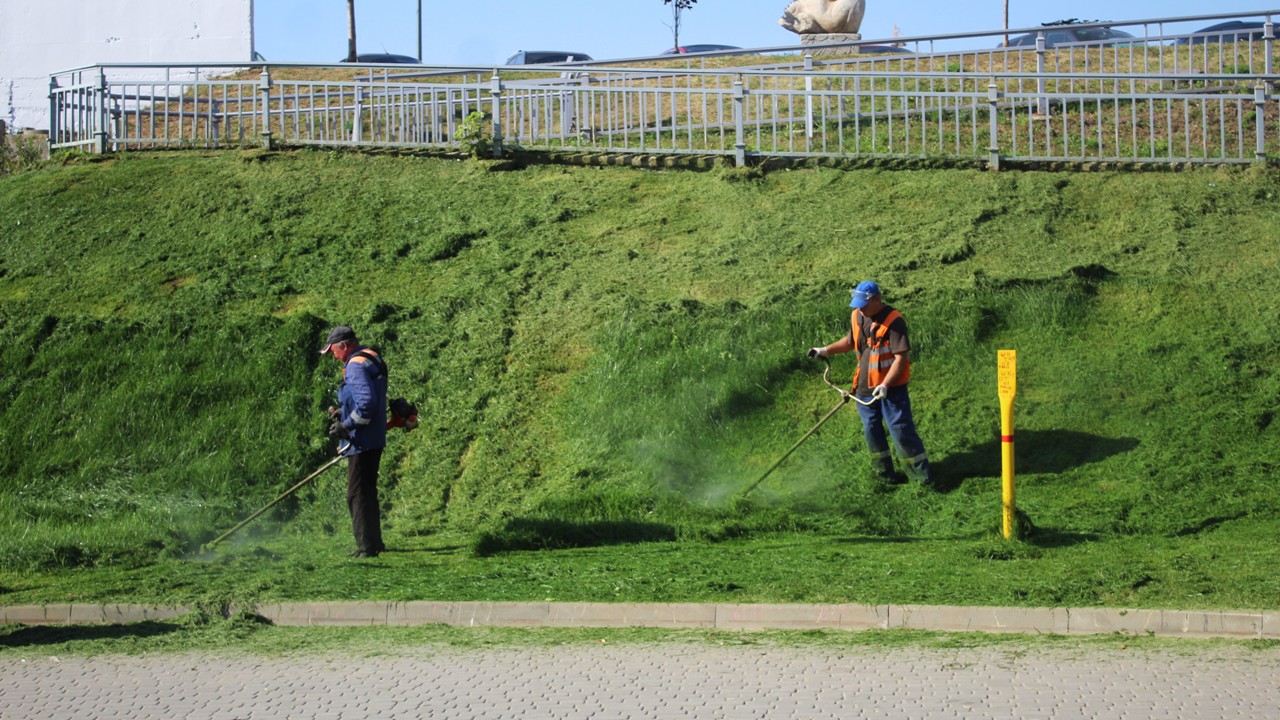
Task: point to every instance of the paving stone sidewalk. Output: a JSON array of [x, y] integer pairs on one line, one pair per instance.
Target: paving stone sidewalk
[[660, 681]]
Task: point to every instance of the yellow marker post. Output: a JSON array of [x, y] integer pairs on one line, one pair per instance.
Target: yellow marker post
[[1008, 382]]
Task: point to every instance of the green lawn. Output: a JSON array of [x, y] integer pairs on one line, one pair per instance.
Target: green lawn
[[605, 358]]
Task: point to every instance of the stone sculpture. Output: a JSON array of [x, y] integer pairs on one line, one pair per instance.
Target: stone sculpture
[[827, 17]]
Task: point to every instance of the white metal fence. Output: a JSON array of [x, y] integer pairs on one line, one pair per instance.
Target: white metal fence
[[1157, 96]]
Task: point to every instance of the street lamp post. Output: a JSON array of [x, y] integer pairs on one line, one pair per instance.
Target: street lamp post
[[1006, 22]]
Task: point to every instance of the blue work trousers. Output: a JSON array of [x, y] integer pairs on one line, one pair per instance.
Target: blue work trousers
[[895, 412]]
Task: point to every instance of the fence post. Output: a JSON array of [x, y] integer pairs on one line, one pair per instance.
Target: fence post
[[118, 125], [495, 94], [100, 98], [568, 115], [1042, 103], [739, 122], [215, 121], [1260, 106], [808, 98], [264, 87], [53, 112], [993, 112], [1268, 41], [357, 123], [586, 126]]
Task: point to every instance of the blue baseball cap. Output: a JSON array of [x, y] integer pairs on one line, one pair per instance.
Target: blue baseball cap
[[862, 294]]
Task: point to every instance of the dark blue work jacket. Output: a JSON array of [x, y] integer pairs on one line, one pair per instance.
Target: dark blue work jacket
[[362, 400]]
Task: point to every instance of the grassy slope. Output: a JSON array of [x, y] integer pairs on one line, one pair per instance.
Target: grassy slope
[[604, 357]]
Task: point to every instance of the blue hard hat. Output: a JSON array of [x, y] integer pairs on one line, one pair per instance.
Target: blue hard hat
[[862, 294]]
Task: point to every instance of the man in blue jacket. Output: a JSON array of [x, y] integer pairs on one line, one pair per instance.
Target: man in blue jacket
[[360, 425]]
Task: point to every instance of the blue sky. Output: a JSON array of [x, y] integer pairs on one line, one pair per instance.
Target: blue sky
[[486, 32]]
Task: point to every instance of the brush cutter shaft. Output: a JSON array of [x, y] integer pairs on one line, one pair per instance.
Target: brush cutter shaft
[[845, 397], [843, 401], [272, 504]]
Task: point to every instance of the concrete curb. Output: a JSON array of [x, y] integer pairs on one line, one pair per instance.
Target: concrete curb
[[1055, 621]]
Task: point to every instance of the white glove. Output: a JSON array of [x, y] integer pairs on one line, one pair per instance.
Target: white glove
[[879, 392], [817, 352]]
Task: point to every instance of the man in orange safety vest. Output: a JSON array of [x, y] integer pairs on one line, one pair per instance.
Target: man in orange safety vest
[[878, 333]]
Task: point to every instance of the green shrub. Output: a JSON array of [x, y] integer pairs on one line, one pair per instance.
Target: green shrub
[[20, 153], [475, 137]]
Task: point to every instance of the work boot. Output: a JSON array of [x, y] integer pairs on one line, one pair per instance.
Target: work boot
[[882, 462], [893, 478], [365, 554], [918, 469]]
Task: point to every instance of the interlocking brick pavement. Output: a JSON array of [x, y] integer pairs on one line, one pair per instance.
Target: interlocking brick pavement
[[659, 681]]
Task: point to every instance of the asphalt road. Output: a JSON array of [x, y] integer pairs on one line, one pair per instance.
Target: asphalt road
[[666, 680]]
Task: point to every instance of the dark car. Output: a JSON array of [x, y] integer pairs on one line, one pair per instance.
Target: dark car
[[1233, 31], [686, 49], [1065, 35], [881, 50], [542, 57], [385, 59]]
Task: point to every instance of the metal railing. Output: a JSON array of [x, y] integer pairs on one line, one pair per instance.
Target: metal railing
[[1154, 97]]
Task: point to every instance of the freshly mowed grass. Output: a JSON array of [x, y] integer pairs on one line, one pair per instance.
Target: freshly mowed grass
[[605, 358]]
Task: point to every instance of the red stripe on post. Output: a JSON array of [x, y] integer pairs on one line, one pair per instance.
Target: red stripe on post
[[1006, 438]]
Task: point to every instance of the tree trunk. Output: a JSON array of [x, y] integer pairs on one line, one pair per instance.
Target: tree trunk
[[675, 24], [351, 30]]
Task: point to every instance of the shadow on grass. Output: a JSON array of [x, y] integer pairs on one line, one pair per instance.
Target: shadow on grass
[[1207, 524], [1035, 451], [433, 550], [34, 635], [741, 403], [880, 539], [1038, 537], [1050, 538], [550, 534]]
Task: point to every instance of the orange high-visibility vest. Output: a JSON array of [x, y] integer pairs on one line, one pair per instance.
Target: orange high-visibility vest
[[881, 358]]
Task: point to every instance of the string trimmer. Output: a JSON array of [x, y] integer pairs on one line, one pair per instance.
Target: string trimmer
[[403, 415], [845, 397], [268, 506]]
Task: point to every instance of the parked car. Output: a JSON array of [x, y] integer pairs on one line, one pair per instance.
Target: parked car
[[1233, 31], [686, 49], [1064, 35], [882, 50], [385, 59], [541, 57]]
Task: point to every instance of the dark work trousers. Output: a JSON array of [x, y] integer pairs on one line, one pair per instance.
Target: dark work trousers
[[362, 500], [895, 411]]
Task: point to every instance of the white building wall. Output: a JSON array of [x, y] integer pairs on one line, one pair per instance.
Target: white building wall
[[41, 37]]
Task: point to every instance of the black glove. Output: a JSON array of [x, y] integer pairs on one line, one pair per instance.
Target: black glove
[[337, 430]]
